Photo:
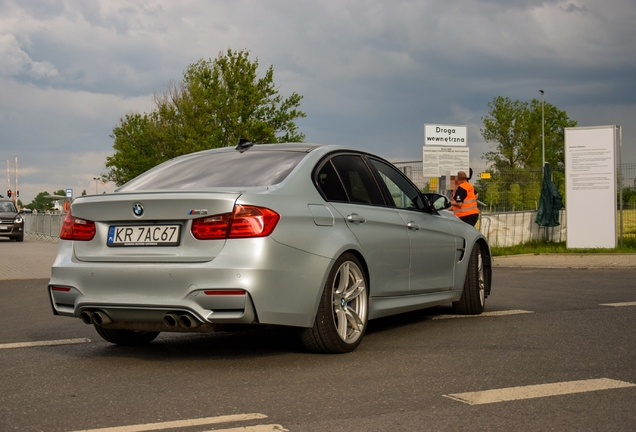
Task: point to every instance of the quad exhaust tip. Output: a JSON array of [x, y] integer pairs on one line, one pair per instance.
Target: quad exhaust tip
[[95, 317], [170, 320], [188, 321], [173, 320], [87, 317]]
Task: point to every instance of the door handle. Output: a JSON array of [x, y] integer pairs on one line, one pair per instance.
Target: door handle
[[355, 218], [413, 226]]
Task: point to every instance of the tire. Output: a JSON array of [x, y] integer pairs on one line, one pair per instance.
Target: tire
[[473, 297], [19, 239], [341, 320], [126, 337]]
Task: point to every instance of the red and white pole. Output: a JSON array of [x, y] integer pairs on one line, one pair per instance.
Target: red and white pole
[[15, 193]]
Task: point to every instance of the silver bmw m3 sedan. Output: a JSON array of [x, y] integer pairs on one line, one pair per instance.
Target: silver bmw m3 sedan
[[319, 237]]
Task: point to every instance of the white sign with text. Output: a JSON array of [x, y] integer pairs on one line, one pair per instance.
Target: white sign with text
[[445, 135], [438, 161], [590, 186]]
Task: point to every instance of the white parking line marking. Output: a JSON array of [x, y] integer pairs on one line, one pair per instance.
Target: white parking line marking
[[537, 391], [257, 428], [181, 423], [619, 304], [485, 314], [44, 343]]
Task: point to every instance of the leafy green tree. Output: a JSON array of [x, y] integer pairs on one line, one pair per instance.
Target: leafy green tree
[[531, 193], [514, 196], [514, 127], [84, 192], [217, 102], [492, 194], [40, 202], [137, 147]]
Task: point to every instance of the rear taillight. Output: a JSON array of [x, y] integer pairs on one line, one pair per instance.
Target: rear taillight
[[250, 221], [211, 227], [244, 222], [77, 229]]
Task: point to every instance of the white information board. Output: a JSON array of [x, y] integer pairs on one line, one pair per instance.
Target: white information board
[[445, 135], [590, 183], [437, 161]]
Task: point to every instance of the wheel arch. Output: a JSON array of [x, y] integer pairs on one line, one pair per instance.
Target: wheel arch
[[486, 257], [363, 262]]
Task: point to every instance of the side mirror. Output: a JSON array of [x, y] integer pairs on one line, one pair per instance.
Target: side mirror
[[438, 202]]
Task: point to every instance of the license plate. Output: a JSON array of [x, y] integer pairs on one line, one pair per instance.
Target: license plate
[[4, 227], [144, 235]]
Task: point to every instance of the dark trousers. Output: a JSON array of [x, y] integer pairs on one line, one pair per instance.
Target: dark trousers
[[470, 219]]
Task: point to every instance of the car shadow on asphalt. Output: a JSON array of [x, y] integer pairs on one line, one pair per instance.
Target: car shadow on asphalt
[[407, 319], [247, 342], [259, 341]]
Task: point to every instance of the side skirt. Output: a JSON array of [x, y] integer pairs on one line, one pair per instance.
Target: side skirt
[[384, 306]]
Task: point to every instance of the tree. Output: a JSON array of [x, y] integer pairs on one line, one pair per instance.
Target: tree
[[40, 202], [492, 194], [515, 129], [84, 192], [531, 193], [217, 102], [514, 196]]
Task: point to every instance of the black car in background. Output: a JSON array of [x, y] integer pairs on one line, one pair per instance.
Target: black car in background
[[11, 221]]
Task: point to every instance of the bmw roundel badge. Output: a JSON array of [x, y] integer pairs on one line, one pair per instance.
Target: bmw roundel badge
[[138, 209]]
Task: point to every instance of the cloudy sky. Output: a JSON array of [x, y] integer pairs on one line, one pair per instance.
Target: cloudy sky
[[372, 72]]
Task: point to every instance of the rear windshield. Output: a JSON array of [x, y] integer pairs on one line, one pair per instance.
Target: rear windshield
[[212, 169]]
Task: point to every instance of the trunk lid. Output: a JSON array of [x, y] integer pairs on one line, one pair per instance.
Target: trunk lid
[[147, 212]]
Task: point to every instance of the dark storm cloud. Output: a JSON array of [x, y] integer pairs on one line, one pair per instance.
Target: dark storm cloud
[[371, 73]]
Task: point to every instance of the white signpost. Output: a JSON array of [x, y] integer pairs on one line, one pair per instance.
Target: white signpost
[[590, 183]]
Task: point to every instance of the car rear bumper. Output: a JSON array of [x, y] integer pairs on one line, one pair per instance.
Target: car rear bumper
[[250, 281]]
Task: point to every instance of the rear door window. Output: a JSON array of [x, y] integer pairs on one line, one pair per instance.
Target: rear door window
[[357, 179], [329, 183]]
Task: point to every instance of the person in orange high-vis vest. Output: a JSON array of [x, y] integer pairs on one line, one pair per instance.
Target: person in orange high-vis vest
[[464, 200]]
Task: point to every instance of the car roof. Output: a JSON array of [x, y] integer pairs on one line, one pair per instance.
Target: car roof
[[299, 147]]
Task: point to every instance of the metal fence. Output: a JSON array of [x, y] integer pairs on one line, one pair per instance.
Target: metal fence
[[43, 226], [515, 190], [513, 228], [413, 170], [500, 228], [511, 200]]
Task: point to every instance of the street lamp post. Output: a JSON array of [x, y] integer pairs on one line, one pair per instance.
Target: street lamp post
[[543, 149], [542, 126], [96, 180]]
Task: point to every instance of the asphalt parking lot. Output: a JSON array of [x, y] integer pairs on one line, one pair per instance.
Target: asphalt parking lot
[[32, 259], [553, 352]]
